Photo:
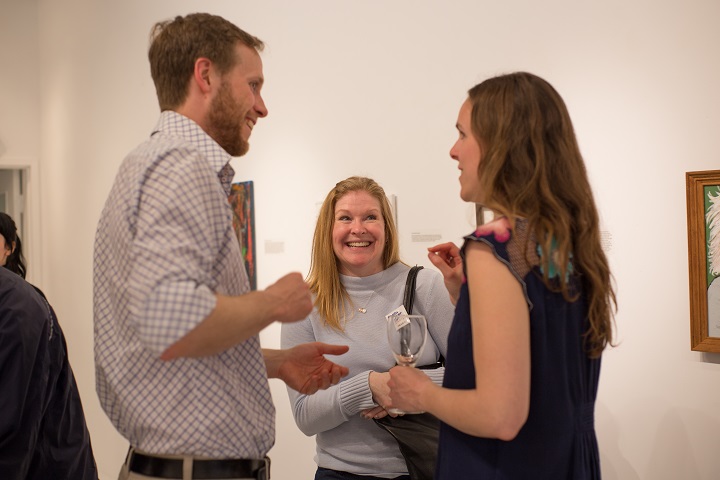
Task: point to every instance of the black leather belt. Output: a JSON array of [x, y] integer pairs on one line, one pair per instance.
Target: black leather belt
[[173, 468]]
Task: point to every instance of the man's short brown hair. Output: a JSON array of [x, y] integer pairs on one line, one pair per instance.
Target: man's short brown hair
[[176, 45]]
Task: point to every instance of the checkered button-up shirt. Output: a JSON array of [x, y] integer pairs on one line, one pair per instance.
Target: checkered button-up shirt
[[164, 247]]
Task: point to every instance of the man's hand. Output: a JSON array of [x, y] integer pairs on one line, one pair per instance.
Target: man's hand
[[304, 367], [291, 297]]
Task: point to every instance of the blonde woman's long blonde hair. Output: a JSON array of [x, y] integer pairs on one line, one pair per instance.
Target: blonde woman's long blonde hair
[[324, 277]]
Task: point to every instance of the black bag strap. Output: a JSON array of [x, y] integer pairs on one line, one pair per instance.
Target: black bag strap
[[409, 297], [408, 301]]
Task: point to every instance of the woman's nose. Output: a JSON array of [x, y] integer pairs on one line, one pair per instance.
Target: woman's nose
[[358, 227]]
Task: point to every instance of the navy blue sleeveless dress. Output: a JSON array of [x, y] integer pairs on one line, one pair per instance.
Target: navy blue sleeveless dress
[[558, 440]]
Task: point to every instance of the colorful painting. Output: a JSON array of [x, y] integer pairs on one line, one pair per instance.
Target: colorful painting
[[703, 218], [243, 206]]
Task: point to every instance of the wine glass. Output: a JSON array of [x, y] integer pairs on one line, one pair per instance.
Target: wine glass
[[406, 335]]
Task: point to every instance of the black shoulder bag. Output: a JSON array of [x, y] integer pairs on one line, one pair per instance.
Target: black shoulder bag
[[416, 434]]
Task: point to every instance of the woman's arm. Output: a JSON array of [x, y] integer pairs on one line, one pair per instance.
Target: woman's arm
[[498, 406]]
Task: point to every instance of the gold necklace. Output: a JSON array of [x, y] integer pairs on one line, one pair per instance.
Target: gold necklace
[[364, 309], [367, 302]]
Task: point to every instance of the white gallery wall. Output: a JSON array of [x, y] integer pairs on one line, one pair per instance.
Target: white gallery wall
[[373, 88], [20, 119]]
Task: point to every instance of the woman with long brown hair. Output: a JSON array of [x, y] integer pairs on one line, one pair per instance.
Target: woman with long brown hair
[[534, 296]]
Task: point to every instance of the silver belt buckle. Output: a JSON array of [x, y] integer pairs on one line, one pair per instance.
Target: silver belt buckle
[[264, 471]]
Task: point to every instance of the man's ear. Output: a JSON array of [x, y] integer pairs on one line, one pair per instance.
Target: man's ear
[[201, 74]]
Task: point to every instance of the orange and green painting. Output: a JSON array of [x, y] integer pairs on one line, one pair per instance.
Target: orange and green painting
[[241, 200]]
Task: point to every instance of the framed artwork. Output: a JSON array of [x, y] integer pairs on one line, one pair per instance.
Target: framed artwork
[[483, 215], [703, 223], [243, 207]]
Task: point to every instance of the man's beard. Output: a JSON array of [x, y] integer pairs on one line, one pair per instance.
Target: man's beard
[[225, 121]]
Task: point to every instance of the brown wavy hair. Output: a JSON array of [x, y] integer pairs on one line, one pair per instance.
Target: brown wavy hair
[[532, 168], [176, 44], [324, 277]]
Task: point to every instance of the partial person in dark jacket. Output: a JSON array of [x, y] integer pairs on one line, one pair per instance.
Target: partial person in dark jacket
[[11, 255], [43, 434]]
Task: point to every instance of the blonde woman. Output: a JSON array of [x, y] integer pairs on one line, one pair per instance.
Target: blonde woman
[[356, 278]]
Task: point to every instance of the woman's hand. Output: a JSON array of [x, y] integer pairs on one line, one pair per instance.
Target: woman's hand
[[378, 383], [379, 388], [408, 389], [375, 412], [446, 257]]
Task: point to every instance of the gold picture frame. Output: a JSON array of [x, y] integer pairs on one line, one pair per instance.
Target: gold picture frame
[[703, 223]]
